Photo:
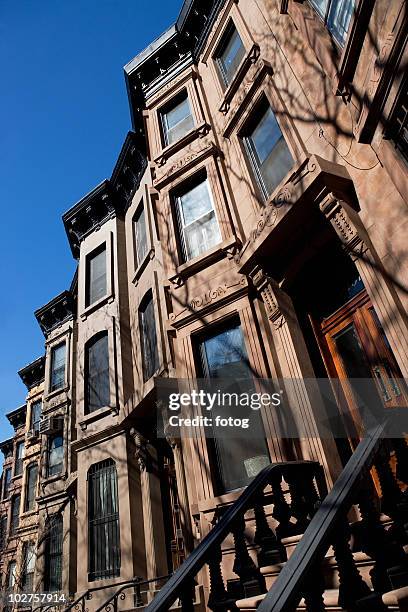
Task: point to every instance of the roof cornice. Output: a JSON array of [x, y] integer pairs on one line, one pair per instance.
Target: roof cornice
[[17, 417], [108, 199], [59, 310], [33, 373], [6, 447]]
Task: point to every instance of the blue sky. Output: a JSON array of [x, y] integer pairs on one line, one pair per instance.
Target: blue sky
[[63, 118]]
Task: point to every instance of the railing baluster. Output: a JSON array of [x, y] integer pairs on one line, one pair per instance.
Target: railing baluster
[[401, 454], [271, 551], [187, 597], [352, 586], [218, 598], [281, 509], [251, 578], [313, 590]]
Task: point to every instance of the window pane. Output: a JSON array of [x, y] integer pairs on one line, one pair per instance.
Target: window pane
[[7, 479], [35, 416], [29, 567], [96, 276], [15, 513], [103, 512], [97, 374], [231, 56], [31, 484], [53, 554], [150, 354], [339, 18], [55, 455], [320, 6], [177, 121], [141, 237], [3, 531], [58, 366], [224, 356], [199, 226], [18, 468], [11, 578], [269, 152]]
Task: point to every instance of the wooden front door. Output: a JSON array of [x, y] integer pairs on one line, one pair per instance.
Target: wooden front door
[[354, 346]]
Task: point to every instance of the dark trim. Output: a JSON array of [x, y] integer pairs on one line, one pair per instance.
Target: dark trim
[[55, 313], [33, 373]]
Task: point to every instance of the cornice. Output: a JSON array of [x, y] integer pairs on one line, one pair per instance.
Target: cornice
[[108, 199], [56, 312], [17, 417], [6, 447], [33, 373]]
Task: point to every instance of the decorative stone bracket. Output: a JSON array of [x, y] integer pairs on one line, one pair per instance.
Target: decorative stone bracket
[[335, 211]]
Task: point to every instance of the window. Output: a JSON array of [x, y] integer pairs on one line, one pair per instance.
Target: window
[[27, 581], [267, 150], [11, 575], [3, 531], [35, 416], [104, 542], [336, 14], [55, 455], [140, 235], [58, 366], [6, 482], [223, 355], [148, 337], [31, 485], [15, 513], [97, 373], [53, 554], [229, 54], [18, 466], [96, 285], [176, 119], [198, 225], [399, 122]]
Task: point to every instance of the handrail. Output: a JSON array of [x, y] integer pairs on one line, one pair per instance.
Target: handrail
[[136, 582], [186, 573], [88, 594], [317, 537]]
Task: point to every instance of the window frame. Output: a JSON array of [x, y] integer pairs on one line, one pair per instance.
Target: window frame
[[15, 516], [53, 347], [225, 38], [102, 248], [108, 466], [32, 422], [176, 100], [19, 461], [148, 373], [3, 530], [29, 502], [50, 439], [140, 209], [27, 578], [53, 522], [253, 120], [183, 189], [6, 491], [325, 19], [88, 345], [13, 563]]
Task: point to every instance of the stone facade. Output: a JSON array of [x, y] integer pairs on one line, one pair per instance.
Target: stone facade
[[337, 217]]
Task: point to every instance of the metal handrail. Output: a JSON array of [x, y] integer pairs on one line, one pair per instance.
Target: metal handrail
[[88, 594], [136, 582], [186, 573]]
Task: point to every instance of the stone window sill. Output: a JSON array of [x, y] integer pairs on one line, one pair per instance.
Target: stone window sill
[[198, 131], [96, 415], [139, 270], [106, 299], [54, 478], [225, 248]]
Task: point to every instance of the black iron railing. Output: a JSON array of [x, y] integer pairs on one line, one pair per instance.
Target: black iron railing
[[306, 486], [136, 586]]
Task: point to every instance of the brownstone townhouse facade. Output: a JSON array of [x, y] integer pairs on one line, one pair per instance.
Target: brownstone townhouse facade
[[255, 222]]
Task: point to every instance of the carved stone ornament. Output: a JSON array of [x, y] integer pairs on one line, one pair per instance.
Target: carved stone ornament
[[352, 242], [201, 148], [205, 299], [267, 288], [141, 452]]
